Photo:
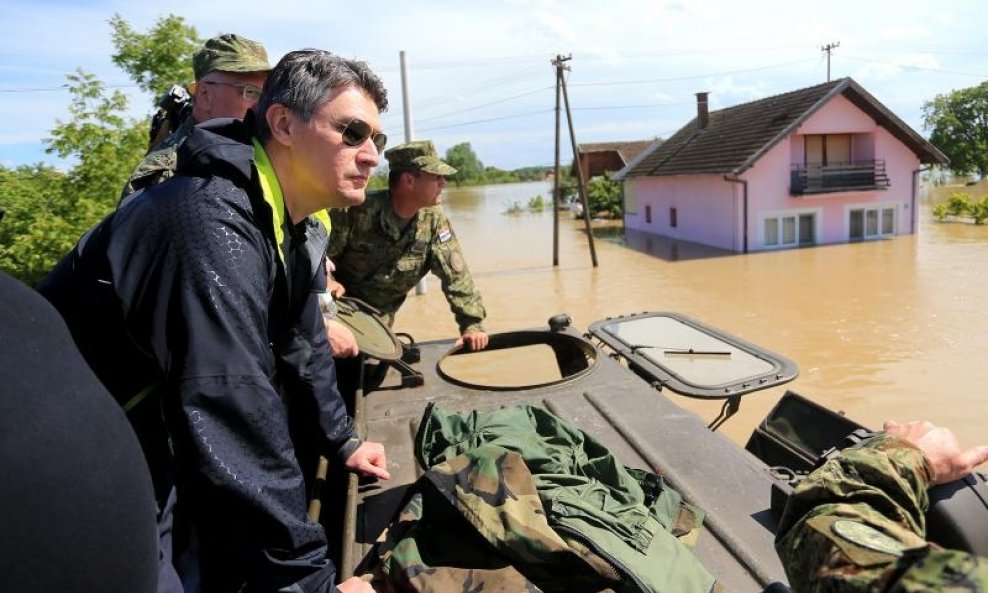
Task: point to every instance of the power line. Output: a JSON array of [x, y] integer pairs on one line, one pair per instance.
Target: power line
[[909, 67], [505, 100], [640, 106], [486, 84], [64, 87], [483, 121], [698, 76]]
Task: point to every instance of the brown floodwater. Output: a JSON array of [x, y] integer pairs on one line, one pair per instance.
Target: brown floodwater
[[885, 329]]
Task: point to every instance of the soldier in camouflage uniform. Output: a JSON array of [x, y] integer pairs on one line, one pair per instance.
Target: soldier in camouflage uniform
[[383, 247], [230, 71], [857, 523]]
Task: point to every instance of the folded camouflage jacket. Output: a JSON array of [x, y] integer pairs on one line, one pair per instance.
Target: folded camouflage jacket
[[518, 500]]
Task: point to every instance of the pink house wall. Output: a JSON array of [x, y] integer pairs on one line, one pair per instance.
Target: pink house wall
[[706, 208], [710, 208]]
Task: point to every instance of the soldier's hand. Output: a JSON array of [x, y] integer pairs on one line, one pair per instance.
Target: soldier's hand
[[369, 460], [342, 343], [475, 340], [355, 585], [335, 288], [948, 460]]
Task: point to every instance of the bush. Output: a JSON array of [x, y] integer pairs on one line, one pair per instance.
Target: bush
[[979, 210], [958, 204], [513, 209], [537, 204]]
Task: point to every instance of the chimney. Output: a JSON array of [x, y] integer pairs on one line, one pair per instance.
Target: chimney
[[702, 114]]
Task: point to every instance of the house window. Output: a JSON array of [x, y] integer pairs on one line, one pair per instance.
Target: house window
[[672, 218], [869, 223], [830, 149], [648, 214], [790, 230]]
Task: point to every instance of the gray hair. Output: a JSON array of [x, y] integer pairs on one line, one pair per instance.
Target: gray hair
[[304, 79]]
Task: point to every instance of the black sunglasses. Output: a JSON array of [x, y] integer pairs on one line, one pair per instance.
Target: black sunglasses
[[356, 132]]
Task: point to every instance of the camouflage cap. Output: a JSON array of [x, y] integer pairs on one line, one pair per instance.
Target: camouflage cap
[[230, 53], [420, 155]]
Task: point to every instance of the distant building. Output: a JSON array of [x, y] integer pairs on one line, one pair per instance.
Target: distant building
[[824, 164], [597, 158]]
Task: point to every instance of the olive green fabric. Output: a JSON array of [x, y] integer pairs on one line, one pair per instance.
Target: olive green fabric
[[230, 53], [857, 524], [420, 155], [379, 261], [555, 505], [159, 164]]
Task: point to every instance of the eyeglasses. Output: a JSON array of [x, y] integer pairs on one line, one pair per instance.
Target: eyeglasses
[[357, 131], [248, 91]]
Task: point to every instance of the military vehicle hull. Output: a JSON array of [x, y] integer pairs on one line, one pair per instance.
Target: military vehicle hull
[[640, 424]]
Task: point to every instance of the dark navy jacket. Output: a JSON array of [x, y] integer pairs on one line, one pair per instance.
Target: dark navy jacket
[[183, 294]]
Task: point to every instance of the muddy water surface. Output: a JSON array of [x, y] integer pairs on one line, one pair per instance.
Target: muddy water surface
[[885, 329]]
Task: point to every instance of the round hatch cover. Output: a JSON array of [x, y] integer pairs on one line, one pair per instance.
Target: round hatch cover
[[374, 337]]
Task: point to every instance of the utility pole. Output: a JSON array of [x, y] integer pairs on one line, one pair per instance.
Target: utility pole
[[406, 102], [406, 105], [829, 48], [560, 63]]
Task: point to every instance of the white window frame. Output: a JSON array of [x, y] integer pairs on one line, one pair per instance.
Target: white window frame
[[879, 208], [778, 215]]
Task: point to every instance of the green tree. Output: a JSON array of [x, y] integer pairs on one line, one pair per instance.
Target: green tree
[[469, 169], [605, 197], [159, 58], [47, 210], [104, 144], [958, 124]]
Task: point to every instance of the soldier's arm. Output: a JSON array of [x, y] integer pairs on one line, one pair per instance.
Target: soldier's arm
[[447, 262], [340, 233], [857, 524]]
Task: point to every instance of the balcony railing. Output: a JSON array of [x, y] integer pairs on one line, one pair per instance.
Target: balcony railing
[[835, 177]]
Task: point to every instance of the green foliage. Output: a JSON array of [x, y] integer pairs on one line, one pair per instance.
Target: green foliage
[[495, 175], [378, 180], [48, 210], [537, 204], [469, 169], [958, 122], [159, 58], [104, 144], [606, 197], [979, 210], [514, 208], [961, 204], [530, 173], [958, 204]]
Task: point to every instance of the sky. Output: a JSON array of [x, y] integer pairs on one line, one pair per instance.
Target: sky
[[481, 72]]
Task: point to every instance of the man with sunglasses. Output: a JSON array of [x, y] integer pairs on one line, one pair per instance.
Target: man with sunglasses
[[230, 71], [382, 248], [197, 305]]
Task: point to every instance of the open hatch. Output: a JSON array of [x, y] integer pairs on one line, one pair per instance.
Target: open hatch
[[693, 359]]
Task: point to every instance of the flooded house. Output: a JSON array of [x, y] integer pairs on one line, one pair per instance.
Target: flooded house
[[821, 165]]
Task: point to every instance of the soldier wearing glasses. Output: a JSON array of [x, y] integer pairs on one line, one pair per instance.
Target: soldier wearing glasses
[[384, 247], [230, 71], [197, 305]]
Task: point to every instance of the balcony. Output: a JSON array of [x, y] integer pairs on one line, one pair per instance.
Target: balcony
[[837, 177]]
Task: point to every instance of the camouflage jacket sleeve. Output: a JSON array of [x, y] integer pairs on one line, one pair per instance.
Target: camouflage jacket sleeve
[[447, 262], [340, 233], [159, 164], [857, 524]]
